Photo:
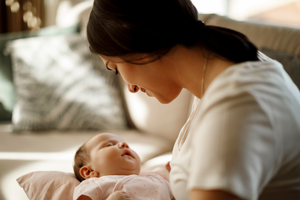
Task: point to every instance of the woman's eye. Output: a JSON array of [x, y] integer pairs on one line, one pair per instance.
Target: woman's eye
[[109, 144]]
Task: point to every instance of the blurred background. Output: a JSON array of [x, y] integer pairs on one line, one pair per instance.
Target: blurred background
[[59, 19], [20, 15]]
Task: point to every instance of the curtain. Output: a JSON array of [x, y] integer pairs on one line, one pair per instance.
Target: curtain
[[21, 15]]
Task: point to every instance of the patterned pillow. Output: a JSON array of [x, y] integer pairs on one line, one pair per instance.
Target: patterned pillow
[[60, 85], [7, 88]]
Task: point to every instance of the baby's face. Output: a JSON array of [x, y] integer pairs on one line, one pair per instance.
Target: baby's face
[[110, 155]]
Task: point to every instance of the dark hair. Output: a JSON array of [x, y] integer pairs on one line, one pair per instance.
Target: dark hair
[[80, 159], [120, 28]]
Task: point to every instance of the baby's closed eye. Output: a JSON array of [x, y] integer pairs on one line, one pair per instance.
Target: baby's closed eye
[[109, 144]]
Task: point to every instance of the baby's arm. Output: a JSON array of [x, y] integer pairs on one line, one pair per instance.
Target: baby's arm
[[87, 190], [118, 195]]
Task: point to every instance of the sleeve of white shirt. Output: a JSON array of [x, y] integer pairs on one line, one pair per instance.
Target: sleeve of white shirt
[[234, 147], [88, 188]]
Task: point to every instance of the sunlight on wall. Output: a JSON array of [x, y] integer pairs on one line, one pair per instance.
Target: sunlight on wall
[[238, 9], [242, 9], [212, 6]]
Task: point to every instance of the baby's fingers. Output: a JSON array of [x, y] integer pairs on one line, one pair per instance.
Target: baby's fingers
[[119, 195], [168, 167]]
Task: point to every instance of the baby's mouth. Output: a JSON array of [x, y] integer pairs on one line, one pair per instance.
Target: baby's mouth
[[128, 153]]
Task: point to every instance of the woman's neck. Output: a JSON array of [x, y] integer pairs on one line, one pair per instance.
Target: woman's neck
[[213, 69], [189, 65]]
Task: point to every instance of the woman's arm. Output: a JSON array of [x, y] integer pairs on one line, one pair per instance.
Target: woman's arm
[[198, 194], [83, 197]]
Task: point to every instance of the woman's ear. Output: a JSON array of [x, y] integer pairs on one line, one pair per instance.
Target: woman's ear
[[87, 172]]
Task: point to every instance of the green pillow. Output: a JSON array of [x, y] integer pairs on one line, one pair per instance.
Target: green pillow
[[291, 63], [7, 88]]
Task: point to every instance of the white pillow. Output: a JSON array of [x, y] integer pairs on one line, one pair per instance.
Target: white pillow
[[48, 185]]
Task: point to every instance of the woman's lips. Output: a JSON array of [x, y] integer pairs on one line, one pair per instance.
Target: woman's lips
[[143, 90], [150, 95]]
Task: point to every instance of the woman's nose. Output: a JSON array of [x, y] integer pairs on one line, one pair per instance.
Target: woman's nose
[[133, 88], [123, 145]]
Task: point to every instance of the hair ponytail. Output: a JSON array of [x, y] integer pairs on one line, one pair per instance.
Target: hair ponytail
[[227, 43]]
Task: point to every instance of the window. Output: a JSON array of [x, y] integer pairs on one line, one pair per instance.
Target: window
[[277, 12]]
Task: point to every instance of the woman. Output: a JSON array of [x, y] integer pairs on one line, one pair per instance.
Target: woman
[[242, 138]]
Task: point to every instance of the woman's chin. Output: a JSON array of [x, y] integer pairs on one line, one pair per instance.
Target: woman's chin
[[164, 100]]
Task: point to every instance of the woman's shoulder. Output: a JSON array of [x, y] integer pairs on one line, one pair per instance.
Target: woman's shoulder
[[249, 76], [261, 84], [253, 68]]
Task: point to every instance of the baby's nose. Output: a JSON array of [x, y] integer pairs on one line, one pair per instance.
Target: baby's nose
[[123, 145]]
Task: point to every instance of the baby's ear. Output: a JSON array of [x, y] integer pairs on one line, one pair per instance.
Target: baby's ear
[[87, 172]]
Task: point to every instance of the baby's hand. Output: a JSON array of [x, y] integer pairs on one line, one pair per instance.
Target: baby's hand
[[168, 167], [119, 195]]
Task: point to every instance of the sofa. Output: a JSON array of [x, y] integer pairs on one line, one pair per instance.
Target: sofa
[[151, 128]]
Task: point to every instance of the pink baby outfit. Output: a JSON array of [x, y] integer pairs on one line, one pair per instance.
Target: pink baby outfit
[[149, 186]]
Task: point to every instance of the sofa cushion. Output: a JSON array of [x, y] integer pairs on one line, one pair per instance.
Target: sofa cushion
[[61, 85], [278, 38], [41, 146], [7, 95]]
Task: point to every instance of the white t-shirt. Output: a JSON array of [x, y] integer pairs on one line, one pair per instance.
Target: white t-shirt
[[244, 137], [139, 187]]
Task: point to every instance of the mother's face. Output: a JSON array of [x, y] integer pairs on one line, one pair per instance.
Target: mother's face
[[156, 79]]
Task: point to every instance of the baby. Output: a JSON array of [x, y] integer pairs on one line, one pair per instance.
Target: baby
[[105, 164]]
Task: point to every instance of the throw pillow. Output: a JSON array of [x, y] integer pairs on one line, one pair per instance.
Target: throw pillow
[[61, 85], [50, 185], [290, 63], [7, 94]]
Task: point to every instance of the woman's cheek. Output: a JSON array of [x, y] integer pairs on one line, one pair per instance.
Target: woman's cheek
[[130, 73]]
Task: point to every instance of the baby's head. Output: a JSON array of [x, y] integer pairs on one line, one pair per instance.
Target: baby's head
[[105, 154]]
